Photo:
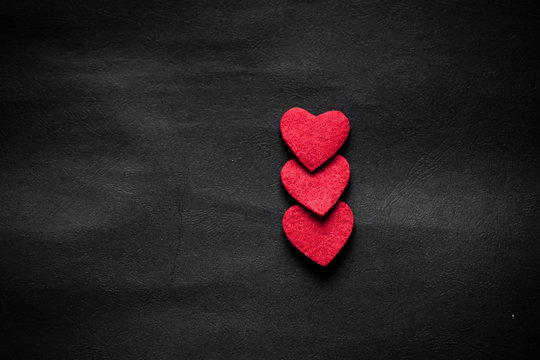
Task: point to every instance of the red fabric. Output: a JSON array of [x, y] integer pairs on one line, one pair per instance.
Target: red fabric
[[314, 139], [319, 190], [318, 238]]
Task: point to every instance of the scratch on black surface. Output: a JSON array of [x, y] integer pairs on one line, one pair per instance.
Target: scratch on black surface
[[180, 229]]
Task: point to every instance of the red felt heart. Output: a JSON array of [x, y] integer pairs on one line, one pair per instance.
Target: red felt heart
[[318, 238], [319, 190], [314, 139]]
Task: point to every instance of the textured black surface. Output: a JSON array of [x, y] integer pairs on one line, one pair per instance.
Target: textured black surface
[[140, 197]]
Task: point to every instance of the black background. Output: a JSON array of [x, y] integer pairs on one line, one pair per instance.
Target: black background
[[141, 203]]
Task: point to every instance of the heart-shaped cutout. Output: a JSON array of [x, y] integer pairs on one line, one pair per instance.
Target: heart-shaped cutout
[[319, 238], [319, 190], [314, 139]]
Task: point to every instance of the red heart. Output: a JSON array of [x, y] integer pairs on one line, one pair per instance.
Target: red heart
[[314, 139], [318, 238], [319, 190]]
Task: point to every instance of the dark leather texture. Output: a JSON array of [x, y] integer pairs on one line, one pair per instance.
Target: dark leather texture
[[140, 194]]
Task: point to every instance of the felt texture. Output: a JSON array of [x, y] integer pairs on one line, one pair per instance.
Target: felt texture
[[319, 238], [314, 139], [319, 190]]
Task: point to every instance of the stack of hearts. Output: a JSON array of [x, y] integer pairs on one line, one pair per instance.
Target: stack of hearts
[[321, 226]]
